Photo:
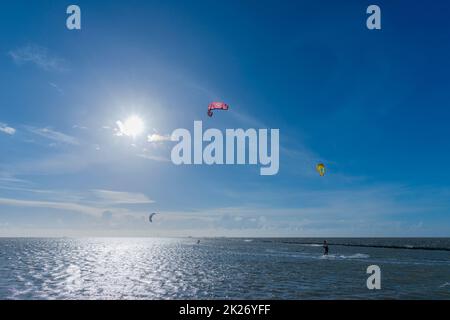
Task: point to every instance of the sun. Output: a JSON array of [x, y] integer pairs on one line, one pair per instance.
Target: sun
[[133, 126]]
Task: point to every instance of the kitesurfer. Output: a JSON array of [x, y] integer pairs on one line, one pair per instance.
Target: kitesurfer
[[325, 248]]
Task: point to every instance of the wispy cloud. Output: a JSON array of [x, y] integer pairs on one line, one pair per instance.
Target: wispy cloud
[[118, 197], [93, 203], [56, 87], [8, 181], [38, 56], [153, 157], [67, 206], [120, 130], [7, 129], [369, 212], [76, 126], [158, 138], [54, 135]]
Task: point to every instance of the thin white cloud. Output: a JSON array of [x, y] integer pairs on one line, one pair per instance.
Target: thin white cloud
[[8, 181], [76, 126], [118, 197], [67, 206], [56, 87], [11, 179], [38, 56], [158, 138], [367, 213], [93, 203], [54, 135], [120, 128], [7, 129], [153, 157]]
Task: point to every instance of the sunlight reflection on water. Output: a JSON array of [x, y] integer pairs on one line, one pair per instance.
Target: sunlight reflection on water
[[132, 268]]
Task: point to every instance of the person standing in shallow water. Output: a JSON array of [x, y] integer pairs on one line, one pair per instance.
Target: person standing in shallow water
[[325, 248]]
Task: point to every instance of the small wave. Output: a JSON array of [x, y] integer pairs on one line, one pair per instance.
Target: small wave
[[73, 270], [341, 256], [447, 284], [135, 279], [17, 294], [248, 240], [404, 247], [311, 245], [328, 257], [73, 280], [356, 256]]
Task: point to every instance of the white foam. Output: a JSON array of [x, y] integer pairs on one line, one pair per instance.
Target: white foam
[[353, 256], [356, 256]]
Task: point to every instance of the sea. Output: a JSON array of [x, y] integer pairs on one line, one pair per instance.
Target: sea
[[222, 268]]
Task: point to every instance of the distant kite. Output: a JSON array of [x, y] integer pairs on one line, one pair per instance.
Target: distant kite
[[216, 106], [321, 169], [150, 218]]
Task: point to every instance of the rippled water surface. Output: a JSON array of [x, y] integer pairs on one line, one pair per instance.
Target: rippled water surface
[[155, 268]]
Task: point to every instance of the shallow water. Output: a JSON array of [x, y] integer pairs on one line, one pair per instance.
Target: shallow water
[[163, 268]]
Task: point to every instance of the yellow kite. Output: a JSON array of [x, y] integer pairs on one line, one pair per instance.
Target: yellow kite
[[321, 169]]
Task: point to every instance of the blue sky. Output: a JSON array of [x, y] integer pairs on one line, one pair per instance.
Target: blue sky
[[371, 105]]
